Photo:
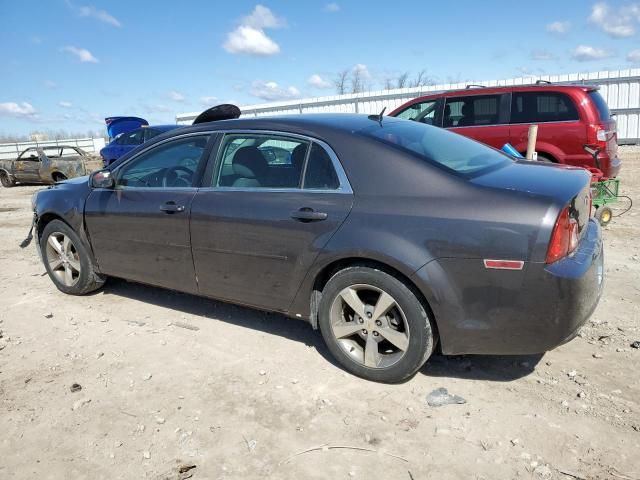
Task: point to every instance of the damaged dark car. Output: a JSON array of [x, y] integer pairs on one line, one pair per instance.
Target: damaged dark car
[[389, 236]]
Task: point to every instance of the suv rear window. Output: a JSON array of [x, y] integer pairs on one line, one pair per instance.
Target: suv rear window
[[539, 107], [446, 149], [601, 105]]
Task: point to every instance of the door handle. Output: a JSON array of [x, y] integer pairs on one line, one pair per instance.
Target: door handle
[[308, 215], [171, 207]]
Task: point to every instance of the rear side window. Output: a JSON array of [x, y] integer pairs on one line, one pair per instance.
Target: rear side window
[[540, 107], [131, 138], [600, 104], [470, 111], [435, 145], [424, 112], [320, 173]]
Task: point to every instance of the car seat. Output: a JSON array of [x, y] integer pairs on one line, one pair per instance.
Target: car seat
[[250, 168]]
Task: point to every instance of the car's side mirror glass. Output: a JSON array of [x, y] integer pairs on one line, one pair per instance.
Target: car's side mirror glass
[[102, 179]]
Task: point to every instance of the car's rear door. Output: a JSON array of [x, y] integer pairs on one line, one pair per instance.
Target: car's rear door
[[256, 233], [139, 230], [482, 117]]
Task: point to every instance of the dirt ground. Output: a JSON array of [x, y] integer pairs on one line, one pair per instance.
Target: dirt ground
[[244, 394]]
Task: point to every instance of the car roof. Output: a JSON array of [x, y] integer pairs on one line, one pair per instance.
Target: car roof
[[163, 128], [481, 90], [309, 124]]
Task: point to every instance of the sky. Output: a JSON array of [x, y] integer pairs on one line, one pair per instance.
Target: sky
[[67, 64]]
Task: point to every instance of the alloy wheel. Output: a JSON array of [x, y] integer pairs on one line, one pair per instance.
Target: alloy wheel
[[63, 259], [369, 326]]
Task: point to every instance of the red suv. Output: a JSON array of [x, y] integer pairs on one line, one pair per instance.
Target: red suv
[[569, 118]]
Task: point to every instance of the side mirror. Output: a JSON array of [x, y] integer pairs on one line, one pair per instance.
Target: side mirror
[[102, 179]]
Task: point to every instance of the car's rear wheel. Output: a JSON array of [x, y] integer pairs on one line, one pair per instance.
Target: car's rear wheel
[[67, 261], [375, 325], [6, 180]]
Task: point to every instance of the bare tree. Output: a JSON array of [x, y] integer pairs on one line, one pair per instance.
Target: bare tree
[[401, 82], [341, 82], [421, 79], [357, 82]]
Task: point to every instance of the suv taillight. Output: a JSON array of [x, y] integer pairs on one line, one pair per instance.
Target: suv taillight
[[564, 238], [598, 134]]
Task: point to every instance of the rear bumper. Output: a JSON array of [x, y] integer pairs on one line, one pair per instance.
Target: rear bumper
[[502, 312]]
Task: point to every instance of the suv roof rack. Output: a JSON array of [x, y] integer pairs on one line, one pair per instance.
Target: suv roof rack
[[543, 82], [474, 85], [226, 111]]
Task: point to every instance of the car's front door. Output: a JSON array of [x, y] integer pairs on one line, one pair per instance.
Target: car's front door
[[482, 117], [273, 202], [139, 230], [27, 166]]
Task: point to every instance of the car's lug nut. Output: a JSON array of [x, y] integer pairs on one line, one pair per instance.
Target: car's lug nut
[[368, 314], [361, 320], [378, 323], [375, 334], [364, 332]]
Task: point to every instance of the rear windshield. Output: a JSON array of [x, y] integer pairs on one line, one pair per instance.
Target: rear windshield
[[446, 149], [601, 105]]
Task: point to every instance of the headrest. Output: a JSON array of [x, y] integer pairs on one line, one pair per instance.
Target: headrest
[[248, 162]]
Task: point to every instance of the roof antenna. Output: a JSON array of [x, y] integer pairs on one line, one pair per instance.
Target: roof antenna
[[378, 118]]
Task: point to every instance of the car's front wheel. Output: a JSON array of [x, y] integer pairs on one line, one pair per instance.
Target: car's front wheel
[[67, 261], [6, 180], [375, 325]]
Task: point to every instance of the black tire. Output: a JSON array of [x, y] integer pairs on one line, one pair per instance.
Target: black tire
[[604, 215], [87, 280], [421, 334], [59, 177], [6, 180]]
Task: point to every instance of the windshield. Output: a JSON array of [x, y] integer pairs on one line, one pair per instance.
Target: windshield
[[439, 146]]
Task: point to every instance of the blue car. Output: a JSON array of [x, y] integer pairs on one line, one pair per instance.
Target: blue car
[[126, 133]]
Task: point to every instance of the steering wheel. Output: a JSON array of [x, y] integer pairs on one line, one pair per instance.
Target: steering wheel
[[177, 176]]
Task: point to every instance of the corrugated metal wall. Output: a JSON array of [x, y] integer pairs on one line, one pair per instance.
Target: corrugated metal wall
[[620, 88]]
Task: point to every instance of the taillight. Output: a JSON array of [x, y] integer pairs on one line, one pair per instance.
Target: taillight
[[564, 238], [598, 134]]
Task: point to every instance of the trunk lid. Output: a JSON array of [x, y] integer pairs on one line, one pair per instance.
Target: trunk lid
[[564, 185]]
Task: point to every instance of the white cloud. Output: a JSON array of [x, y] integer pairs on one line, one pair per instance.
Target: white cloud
[[586, 53], [634, 56], [102, 15], [619, 23], [65, 104], [175, 96], [250, 41], [83, 55], [13, 109], [262, 17], [332, 7], [362, 70], [317, 81], [50, 84], [249, 37], [208, 101], [558, 27], [541, 55], [272, 91]]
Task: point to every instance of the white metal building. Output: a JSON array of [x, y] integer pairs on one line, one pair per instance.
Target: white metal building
[[620, 88]]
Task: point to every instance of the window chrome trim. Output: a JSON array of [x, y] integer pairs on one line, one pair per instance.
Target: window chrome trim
[[344, 187]]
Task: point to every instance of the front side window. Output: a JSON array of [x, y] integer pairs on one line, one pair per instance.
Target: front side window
[[261, 161], [476, 110], [539, 107], [168, 165], [29, 154], [424, 112]]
